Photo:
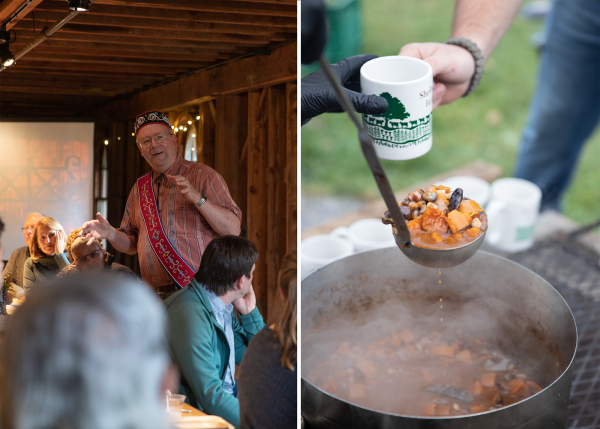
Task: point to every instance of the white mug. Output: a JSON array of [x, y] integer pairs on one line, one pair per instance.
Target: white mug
[[367, 234], [404, 130], [512, 214], [473, 188], [320, 250]]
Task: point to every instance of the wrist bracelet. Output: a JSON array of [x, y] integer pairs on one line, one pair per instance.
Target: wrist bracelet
[[203, 199], [477, 56]]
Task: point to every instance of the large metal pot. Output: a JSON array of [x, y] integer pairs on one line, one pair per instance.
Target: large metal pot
[[536, 324]]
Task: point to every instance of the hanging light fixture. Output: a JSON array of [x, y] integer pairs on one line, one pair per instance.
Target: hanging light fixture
[[79, 5], [7, 58]]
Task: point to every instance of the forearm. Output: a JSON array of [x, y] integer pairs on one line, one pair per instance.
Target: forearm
[[121, 242], [223, 221], [484, 21]]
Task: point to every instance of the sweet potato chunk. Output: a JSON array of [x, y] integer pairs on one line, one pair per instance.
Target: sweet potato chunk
[[357, 390], [414, 225], [463, 356], [442, 351], [429, 409], [469, 206], [366, 368], [442, 410], [518, 387], [472, 232], [428, 376], [456, 220], [433, 220], [478, 408], [406, 336], [476, 388], [488, 379], [535, 388]]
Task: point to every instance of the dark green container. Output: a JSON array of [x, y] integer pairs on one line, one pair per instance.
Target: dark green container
[[344, 35]]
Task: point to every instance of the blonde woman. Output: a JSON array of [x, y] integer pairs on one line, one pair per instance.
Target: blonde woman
[[48, 254], [267, 383]]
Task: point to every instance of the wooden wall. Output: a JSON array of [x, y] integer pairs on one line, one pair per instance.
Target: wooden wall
[[249, 137]]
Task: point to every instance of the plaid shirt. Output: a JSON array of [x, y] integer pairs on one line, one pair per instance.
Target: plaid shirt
[[188, 231]]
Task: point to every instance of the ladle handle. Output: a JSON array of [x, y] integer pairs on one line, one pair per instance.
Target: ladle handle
[[368, 150]]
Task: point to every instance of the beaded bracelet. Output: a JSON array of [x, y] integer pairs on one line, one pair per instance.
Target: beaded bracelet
[[477, 56]]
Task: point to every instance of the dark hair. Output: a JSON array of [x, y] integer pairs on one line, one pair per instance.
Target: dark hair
[[1, 227], [224, 261]]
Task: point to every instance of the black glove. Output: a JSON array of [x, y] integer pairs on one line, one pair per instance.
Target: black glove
[[319, 97]]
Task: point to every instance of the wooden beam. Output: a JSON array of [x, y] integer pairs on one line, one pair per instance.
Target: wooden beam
[[156, 23], [100, 53], [219, 6], [119, 50], [156, 34], [185, 15], [9, 7], [177, 64], [159, 70], [53, 90], [237, 76]]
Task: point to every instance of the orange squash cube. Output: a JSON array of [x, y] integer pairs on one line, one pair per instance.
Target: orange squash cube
[[488, 379], [433, 220], [456, 220]]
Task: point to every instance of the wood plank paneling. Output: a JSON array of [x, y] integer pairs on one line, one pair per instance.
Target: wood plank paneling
[[258, 227], [238, 76]]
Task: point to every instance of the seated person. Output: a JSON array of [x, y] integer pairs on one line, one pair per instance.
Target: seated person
[[87, 352], [48, 254], [16, 262], [204, 335], [267, 386], [90, 258]]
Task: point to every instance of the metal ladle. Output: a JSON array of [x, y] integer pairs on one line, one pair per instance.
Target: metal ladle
[[433, 258]]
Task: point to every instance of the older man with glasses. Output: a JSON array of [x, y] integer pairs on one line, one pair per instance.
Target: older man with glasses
[[92, 259], [16, 262], [172, 213]]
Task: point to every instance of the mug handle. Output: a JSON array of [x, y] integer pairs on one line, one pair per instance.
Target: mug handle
[[495, 224], [343, 233]]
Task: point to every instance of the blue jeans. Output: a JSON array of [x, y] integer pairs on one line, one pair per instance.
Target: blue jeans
[[566, 106]]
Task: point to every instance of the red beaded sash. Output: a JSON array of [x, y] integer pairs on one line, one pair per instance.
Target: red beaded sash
[[172, 261]]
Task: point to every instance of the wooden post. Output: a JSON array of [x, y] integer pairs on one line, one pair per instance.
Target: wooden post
[[258, 227], [292, 167]]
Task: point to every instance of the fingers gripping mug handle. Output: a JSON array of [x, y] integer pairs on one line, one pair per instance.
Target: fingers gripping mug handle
[[496, 221]]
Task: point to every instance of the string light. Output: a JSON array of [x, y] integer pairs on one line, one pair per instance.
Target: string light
[[189, 122], [185, 129], [132, 134], [106, 142], [181, 127], [193, 148], [197, 118], [193, 135], [118, 138]]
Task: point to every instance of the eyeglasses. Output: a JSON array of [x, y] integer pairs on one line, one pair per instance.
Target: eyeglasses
[[93, 254], [28, 228], [159, 138]]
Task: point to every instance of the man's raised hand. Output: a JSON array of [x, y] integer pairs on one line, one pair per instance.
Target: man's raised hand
[[98, 229], [246, 304], [184, 187]]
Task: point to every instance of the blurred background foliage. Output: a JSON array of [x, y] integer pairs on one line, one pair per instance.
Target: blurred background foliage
[[486, 125]]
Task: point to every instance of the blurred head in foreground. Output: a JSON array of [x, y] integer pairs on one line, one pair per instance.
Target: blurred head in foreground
[[85, 353]]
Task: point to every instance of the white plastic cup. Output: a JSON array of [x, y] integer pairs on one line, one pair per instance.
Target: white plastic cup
[[367, 234], [174, 406], [404, 130], [512, 214], [320, 250]]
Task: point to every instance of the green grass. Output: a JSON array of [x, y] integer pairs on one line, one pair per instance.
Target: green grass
[[485, 125]]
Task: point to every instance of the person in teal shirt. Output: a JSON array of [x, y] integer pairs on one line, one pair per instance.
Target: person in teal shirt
[[204, 336]]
